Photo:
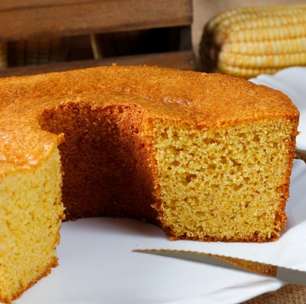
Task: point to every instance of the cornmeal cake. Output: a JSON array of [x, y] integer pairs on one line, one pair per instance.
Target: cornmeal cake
[[205, 156]]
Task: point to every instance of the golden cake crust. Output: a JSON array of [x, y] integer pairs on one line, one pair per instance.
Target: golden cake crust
[[197, 99]]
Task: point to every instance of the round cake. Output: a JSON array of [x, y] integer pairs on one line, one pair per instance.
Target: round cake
[[205, 156]]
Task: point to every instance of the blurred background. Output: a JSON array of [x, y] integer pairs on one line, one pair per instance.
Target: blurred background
[[50, 35]]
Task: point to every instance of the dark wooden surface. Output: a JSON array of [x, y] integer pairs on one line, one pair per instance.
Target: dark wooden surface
[[17, 4], [33, 18], [180, 60]]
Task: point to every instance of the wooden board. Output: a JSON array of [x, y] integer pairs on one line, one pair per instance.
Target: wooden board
[[31, 18], [180, 60], [17, 4]]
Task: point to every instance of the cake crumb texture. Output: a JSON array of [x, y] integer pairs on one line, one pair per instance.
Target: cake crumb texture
[[225, 184], [106, 159], [30, 213]]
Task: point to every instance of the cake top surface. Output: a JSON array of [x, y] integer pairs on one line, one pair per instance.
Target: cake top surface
[[196, 99], [216, 96]]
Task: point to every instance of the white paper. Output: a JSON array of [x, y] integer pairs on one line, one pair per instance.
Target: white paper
[[292, 82]]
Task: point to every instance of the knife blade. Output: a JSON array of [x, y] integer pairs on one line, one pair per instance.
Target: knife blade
[[284, 274]]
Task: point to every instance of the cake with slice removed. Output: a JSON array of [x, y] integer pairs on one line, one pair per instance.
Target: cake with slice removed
[[205, 156]]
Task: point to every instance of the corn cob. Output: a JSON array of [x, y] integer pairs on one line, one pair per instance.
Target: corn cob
[[250, 41]]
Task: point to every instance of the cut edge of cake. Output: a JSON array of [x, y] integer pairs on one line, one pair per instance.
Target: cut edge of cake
[[31, 212], [225, 184]]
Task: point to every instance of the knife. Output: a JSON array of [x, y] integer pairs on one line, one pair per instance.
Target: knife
[[284, 274]]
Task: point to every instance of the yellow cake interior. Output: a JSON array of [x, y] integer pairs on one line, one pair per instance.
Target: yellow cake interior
[[223, 183], [30, 213]]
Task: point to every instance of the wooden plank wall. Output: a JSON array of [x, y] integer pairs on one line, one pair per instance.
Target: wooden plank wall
[[180, 60], [32, 18]]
